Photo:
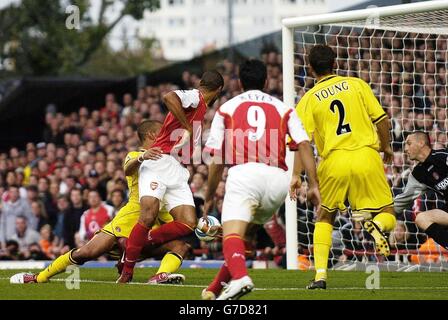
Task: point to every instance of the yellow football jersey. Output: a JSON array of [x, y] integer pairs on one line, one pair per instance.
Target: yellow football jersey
[[133, 180], [340, 113], [125, 220]]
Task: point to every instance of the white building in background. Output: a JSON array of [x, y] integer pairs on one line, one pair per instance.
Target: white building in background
[[185, 28]]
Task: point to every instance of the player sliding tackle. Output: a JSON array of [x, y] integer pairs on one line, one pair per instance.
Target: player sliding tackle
[[166, 179], [250, 132], [113, 234], [343, 116]]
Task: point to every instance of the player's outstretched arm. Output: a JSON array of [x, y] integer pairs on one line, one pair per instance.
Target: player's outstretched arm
[[174, 105], [412, 191], [383, 128]]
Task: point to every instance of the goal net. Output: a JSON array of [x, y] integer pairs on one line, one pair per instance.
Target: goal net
[[401, 51]]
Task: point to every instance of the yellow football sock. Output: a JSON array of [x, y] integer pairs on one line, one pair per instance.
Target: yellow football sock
[[57, 266], [322, 245], [385, 221], [170, 263]]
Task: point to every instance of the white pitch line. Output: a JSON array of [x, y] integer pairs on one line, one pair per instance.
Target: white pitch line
[[256, 289]]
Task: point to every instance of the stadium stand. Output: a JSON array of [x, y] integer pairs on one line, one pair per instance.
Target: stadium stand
[[84, 149]]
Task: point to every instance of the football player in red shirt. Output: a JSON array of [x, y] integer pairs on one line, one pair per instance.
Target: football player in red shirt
[[166, 180], [250, 132]]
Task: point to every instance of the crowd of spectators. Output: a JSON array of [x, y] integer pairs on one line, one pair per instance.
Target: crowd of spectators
[[49, 188]]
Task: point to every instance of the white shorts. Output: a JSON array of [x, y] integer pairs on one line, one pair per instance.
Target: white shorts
[[254, 192], [167, 180]]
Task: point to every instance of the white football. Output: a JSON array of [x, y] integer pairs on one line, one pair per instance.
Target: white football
[[204, 224]]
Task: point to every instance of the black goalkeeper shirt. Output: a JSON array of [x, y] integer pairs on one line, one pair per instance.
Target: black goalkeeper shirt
[[430, 174], [433, 172]]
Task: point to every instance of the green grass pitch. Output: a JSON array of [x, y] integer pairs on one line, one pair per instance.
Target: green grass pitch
[[270, 284]]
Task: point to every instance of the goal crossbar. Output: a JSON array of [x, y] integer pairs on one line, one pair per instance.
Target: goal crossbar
[[363, 14]]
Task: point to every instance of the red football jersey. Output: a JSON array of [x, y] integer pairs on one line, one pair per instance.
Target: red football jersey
[[172, 131], [253, 127]]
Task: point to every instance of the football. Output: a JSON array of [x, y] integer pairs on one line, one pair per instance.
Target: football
[[204, 225]]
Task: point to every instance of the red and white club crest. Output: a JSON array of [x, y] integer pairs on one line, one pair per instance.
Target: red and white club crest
[[154, 185], [435, 175]]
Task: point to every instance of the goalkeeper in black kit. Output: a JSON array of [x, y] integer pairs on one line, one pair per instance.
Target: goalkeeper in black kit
[[431, 172]]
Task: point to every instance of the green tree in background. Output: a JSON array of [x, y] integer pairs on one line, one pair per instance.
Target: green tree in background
[[35, 39], [129, 61]]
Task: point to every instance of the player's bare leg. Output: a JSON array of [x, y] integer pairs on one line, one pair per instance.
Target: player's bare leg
[[434, 223], [139, 236], [100, 244], [185, 220], [235, 256], [426, 218], [322, 244]]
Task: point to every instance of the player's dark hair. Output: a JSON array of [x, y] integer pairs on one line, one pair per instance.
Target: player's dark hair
[[147, 126], [322, 58], [211, 80], [253, 74], [422, 136]]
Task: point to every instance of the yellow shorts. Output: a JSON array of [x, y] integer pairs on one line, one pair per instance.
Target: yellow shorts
[[357, 176], [125, 220]]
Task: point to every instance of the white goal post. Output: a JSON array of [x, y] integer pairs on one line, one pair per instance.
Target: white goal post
[[416, 21]]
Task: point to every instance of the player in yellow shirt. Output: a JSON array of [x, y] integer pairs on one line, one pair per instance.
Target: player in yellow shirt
[[349, 128], [110, 238]]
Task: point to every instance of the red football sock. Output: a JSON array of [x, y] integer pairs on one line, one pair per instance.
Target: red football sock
[[222, 276], [134, 245], [234, 253], [224, 273], [167, 232]]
